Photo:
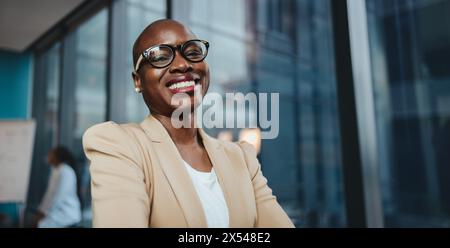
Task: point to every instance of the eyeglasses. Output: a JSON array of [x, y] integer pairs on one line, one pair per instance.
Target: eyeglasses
[[160, 56]]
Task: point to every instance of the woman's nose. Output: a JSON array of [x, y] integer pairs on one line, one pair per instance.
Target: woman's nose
[[180, 64]]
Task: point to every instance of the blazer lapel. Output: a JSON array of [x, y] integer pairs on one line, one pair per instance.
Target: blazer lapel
[[169, 159], [226, 176], [171, 162]]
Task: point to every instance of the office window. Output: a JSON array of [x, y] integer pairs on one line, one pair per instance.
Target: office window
[[45, 111], [410, 51], [90, 74], [52, 75], [83, 89], [140, 13], [280, 16], [319, 153], [130, 17], [90, 92], [255, 48]]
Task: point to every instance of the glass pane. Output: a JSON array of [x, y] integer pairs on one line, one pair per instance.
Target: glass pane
[[410, 51], [90, 91], [248, 54], [52, 72], [45, 112], [139, 13], [90, 61], [157, 6]]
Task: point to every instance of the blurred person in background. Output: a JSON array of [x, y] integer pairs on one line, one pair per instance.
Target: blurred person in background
[[60, 206]]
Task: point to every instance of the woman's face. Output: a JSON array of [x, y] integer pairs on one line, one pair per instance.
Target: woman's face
[[51, 158], [155, 82]]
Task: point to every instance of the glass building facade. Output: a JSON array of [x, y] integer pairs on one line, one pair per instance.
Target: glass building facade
[[83, 77], [410, 50]]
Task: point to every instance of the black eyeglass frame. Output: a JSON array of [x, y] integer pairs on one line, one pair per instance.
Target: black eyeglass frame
[[179, 47]]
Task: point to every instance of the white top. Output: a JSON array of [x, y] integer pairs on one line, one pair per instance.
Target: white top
[[61, 205], [211, 196]]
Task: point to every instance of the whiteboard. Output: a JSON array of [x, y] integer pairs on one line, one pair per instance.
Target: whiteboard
[[16, 149]]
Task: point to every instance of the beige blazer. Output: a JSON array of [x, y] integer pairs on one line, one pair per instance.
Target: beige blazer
[[139, 180]]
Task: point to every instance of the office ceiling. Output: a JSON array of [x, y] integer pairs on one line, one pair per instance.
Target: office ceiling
[[24, 21]]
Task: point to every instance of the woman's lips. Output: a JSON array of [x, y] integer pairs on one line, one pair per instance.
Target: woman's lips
[[182, 87]]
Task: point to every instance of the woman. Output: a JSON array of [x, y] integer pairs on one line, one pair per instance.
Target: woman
[[153, 174], [60, 206]]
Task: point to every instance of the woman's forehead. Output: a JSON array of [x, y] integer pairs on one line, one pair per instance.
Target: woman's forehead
[[173, 35]]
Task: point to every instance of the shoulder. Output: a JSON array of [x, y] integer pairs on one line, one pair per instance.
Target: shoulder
[[245, 151], [108, 130], [111, 138], [99, 131], [247, 148], [242, 147], [250, 156], [111, 131]]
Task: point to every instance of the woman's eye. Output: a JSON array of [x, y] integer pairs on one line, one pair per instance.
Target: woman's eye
[[194, 53], [160, 58]]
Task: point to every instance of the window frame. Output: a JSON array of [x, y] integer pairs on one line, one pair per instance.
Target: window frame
[[359, 197]]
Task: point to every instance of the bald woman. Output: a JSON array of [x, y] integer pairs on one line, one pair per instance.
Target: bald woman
[[154, 174]]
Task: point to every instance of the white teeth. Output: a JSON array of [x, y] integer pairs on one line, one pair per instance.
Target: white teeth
[[182, 85]]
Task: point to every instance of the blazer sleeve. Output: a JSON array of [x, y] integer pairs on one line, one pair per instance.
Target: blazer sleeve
[[269, 211], [119, 192]]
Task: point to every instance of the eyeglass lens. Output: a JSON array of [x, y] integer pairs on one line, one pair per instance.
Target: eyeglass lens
[[161, 56]]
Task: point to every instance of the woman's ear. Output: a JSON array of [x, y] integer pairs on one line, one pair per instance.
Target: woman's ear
[[137, 82]]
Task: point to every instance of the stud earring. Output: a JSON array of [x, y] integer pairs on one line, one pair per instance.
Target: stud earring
[[138, 90]]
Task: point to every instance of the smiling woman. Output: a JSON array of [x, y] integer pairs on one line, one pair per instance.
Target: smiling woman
[[153, 174]]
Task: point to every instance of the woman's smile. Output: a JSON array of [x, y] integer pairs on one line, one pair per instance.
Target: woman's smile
[[183, 84]]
